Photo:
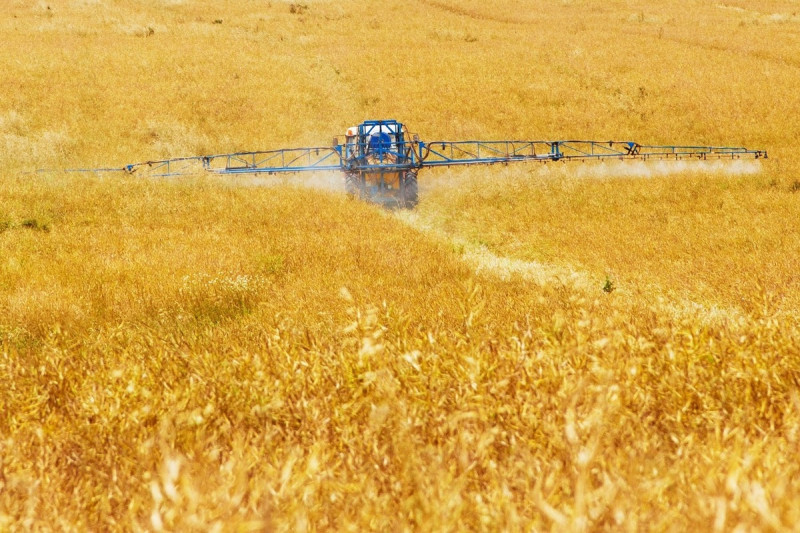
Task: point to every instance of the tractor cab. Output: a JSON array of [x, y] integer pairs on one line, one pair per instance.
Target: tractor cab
[[375, 143]]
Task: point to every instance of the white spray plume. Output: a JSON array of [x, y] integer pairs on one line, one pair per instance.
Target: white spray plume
[[653, 169], [325, 181]]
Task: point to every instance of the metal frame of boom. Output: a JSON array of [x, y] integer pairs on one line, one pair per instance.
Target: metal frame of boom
[[395, 152]]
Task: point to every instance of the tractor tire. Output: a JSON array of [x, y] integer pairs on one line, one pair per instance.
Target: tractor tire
[[410, 191], [352, 185]]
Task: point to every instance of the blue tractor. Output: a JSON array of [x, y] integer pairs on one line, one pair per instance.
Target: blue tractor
[[379, 165]]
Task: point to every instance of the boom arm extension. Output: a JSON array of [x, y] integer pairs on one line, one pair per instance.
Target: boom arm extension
[[433, 154], [287, 160], [446, 153]]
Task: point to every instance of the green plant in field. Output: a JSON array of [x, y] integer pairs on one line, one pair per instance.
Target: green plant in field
[[271, 264], [35, 224], [609, 286]]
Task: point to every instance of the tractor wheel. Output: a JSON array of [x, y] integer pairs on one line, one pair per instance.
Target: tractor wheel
[[410, 191], [352, 185]]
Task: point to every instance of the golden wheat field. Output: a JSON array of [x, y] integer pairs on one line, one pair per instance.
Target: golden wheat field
[[559, 347]]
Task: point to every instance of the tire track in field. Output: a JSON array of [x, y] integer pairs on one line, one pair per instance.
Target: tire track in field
[[485, 262], [463, 12]]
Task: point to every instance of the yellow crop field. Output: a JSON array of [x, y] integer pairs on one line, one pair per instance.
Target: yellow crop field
[[534, 347]]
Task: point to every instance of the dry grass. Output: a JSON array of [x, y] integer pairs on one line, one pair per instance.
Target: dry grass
[[204, 354]]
